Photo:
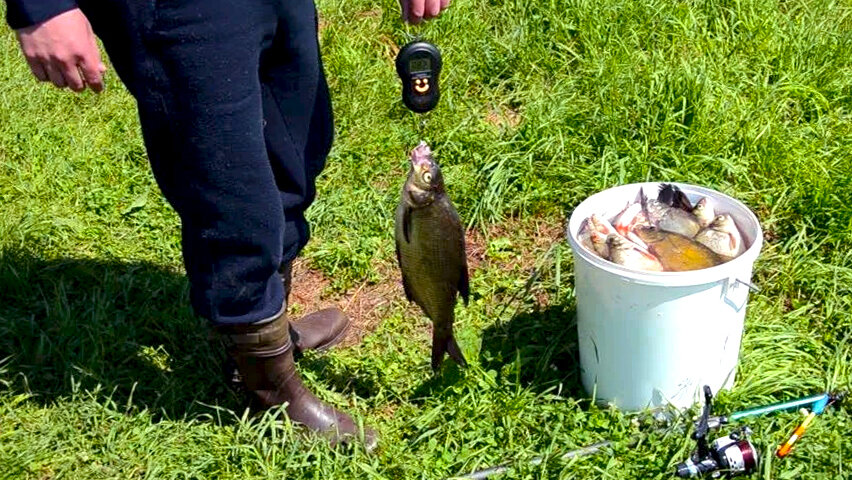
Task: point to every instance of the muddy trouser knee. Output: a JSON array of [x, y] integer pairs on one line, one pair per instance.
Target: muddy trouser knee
[[236, 119]]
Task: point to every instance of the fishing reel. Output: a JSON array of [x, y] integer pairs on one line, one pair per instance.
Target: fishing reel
[[732, 455]]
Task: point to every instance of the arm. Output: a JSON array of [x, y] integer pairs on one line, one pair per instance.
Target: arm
[[57, 42], [26, 13]]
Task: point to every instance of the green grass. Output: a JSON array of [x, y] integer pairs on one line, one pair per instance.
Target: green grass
[[107, 374]]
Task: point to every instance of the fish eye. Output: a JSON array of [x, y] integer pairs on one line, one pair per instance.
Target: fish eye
[[427, 177]]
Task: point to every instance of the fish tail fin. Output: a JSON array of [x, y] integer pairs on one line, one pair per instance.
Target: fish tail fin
[[444, 342], [673, 196], [667, 194], [643, 201], [683, 202]]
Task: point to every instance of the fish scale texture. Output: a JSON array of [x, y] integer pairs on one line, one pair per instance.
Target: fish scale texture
[[433, 260]]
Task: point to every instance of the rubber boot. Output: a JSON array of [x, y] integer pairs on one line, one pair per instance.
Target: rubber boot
[[264, 356], [319, 330]]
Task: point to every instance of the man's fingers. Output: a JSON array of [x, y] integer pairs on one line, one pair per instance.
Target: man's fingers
[[93, 73], [72, 76], [92, 67], [63, 50], [38, 69], [432, 8], [415, 10], [55, 75]]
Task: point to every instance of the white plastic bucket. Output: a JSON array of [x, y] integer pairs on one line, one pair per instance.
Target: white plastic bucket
[[649, 339]]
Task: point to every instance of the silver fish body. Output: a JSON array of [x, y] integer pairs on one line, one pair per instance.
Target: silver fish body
[[722, 236], [628, 254], [670, 219], [430, 249]]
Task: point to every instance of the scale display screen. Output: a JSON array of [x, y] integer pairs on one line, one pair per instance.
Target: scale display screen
[[420, 64]]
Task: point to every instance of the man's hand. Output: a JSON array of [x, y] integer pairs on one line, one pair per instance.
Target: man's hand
[[414, 11], [62, 50]]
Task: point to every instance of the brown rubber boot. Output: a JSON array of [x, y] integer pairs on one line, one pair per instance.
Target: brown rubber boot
[[264, 357], [319, 330]]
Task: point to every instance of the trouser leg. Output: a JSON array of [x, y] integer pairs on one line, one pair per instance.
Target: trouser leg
[[194, 70], [298, 116], [297, 125], [299, 133]]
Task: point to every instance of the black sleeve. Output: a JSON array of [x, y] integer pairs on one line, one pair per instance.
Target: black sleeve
[[25, 13]]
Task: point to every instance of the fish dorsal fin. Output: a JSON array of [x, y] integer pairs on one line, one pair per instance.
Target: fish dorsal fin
[[682, 201], [673, 196]]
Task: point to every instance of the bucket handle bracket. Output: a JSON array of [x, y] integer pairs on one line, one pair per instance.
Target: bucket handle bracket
[[754, 288], [735, 295]]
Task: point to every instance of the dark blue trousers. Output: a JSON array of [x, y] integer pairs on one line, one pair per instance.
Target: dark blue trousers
[[237, 122]]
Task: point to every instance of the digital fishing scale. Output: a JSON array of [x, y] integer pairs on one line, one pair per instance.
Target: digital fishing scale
[[418, 65]]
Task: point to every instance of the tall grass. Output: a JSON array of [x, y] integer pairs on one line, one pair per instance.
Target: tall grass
[[105, 372]]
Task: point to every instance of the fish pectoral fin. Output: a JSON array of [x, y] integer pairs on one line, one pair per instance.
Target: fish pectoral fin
[[405, 285], [732, 241], [648, 255], [406, 224]]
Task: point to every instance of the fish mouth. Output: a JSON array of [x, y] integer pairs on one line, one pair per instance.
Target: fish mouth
[[421, 156]]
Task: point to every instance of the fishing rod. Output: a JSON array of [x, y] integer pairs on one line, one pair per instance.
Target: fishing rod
[[718, 421], [500, 469], [734, 448], [734, 454], [818, 407]]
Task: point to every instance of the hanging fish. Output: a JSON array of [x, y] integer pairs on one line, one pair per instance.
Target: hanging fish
[[430, 248]]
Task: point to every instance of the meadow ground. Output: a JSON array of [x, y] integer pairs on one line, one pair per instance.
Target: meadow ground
[[106, 373]]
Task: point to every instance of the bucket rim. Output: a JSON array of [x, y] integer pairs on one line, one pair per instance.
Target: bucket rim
[[731, 269]]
